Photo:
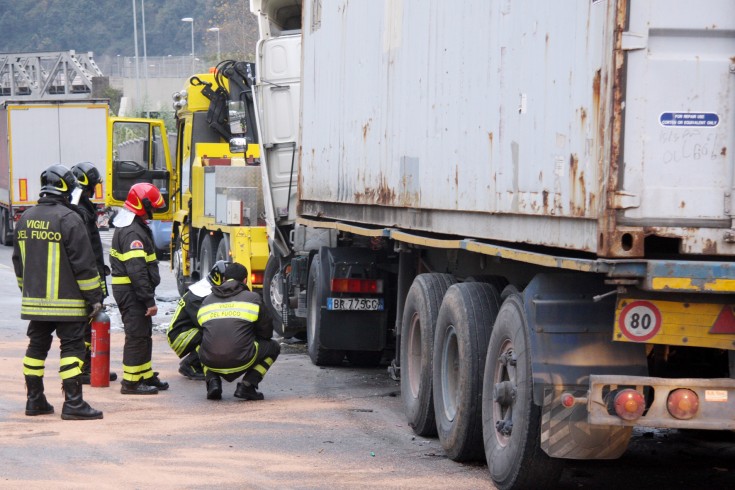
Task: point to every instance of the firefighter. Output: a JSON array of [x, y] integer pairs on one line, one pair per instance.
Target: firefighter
[[236, 336], [184, 332], [134, 280], [60, 285], [88, 177]]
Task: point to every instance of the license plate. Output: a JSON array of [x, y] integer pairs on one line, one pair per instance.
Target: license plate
[[355, 304]]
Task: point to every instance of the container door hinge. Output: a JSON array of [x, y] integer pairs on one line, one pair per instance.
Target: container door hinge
[[625, 200]]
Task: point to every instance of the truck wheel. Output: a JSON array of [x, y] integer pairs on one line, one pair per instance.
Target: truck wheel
[[223, 249], [272, 294], [206, 255], [510, 419], [462, 334], [178, 267], [4, 239], [316, 298], [417, 349]]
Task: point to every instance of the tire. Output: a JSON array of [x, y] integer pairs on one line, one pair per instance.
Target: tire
[[513, 451], [417, 349], [461, 338], [178, 267], [207, 255], [4, 239], [223, 249], [364, 358], [315, 299], [272, 294]]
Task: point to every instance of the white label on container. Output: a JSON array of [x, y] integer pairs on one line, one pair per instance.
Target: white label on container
[[715, 395], [559, 165]]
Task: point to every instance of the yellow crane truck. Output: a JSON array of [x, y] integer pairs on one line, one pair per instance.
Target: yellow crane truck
[[218, 203]]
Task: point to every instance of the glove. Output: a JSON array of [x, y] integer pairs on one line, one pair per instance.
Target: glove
[[96, 308]]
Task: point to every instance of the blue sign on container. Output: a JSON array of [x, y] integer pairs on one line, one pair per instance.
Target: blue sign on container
[[690, 119]]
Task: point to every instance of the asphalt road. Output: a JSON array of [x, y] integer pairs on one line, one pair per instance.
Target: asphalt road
[[336, 428]]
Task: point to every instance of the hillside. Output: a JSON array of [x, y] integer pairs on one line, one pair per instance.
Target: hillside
[[105, 27]]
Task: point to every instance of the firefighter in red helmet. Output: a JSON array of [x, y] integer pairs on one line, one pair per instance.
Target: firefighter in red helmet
[[134, 280]]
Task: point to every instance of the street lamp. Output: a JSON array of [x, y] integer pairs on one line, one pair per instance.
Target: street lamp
[[190, 19], [215, 29]]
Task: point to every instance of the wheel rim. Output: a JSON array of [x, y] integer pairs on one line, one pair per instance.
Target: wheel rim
[[449, 366], [505, 386], [413, 355], [178, 269], [275, 292], [311, 323]]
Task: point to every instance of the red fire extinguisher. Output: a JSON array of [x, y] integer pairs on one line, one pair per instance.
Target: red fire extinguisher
[[100, 350]]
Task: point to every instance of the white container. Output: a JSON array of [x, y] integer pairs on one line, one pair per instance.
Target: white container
[[592, 125]]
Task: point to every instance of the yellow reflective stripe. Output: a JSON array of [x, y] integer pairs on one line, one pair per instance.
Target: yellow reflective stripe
[[120, 280], [31, 362], [137, 373], [268, 361], [233, 309], [20, 282], [235, 369], [53, 302], [177, 311], [33, 367], [260, 369], [22, 246], [36, 310], [182, 341], [151, 257], [52, 270], [33, 371], [133, 254], [66, 372], [89, 284]]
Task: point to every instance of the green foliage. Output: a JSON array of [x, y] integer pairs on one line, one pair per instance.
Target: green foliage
[[114, 95], [105, 27]]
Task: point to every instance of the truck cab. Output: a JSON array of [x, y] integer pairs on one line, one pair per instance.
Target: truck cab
[[218, 203]]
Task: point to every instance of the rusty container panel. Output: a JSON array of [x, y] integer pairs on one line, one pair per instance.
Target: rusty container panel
[[492, 120]]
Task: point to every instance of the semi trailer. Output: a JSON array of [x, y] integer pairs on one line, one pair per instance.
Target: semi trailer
[[526, 207]]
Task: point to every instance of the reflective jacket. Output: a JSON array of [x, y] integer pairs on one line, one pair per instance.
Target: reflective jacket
[[55, 269], [88, 212], [232, 319], [184, 324], [133, 261]]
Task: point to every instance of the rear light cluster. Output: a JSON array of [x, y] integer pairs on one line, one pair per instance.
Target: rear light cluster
[[630, 404], [366, 286], [256, 277]]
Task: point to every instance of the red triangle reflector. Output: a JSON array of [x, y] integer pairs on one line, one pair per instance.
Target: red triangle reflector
[[725, 322]]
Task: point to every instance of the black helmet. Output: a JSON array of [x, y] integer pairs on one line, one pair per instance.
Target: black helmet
[[216, 274], [57, 180], [87, 175]]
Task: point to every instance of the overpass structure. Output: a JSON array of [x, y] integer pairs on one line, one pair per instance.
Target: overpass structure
[[47, 75]]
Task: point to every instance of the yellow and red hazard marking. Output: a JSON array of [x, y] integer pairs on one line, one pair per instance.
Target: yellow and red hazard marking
[[675, 323]]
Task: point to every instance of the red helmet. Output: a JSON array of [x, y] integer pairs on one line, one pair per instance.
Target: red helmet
[[142, 198]]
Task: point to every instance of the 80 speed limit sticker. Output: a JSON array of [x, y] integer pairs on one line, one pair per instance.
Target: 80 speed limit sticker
[[640, 321]]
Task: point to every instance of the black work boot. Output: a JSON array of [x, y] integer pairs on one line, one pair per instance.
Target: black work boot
[[156, 382], [214, 387], [137, 388], [247, 392], [75, 408], [87, 370], [191, 367], [37, 404]]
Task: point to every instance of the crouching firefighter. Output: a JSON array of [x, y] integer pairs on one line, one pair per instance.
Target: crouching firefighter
[[236, 337], [184, 332], [134, 279], [60, 285]]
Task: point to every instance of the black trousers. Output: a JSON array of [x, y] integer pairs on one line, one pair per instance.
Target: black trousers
[[268, 350], [138, 348], [40, 337]]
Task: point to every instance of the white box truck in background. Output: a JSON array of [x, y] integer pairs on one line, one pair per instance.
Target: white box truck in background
[[36, 134], [526, 205]]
